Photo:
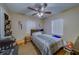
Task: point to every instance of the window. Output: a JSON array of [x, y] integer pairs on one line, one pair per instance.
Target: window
[[57, 26]]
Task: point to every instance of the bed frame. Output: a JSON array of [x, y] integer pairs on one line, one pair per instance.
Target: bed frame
[[36, 30]]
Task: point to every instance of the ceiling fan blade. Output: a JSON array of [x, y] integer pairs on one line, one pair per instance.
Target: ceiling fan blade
[[31, 8], [45, 5], [34, 14], [47, 12]]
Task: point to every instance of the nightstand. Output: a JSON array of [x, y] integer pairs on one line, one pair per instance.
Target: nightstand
[[27, 39], [68, 51]]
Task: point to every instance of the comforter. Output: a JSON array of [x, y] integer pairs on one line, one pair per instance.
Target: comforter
[[47, 44]]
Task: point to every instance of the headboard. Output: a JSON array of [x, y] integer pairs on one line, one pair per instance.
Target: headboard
[[35, 30]]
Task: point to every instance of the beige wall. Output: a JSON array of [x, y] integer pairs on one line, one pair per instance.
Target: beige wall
[[16, 29], [71, 24]]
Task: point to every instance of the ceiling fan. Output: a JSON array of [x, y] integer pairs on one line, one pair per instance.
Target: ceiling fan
[[40, 9]]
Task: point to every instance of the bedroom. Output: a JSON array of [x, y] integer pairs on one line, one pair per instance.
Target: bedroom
[[61, 21]]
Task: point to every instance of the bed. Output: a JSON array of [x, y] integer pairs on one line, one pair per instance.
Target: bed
[[47, 44]]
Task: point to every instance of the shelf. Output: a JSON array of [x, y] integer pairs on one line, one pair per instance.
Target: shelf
[[7, 25], [8, 28], [8, 34], [6, 16]]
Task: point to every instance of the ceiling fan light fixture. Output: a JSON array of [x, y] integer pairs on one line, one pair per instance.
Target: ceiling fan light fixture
[[42, 9], [40, 14]]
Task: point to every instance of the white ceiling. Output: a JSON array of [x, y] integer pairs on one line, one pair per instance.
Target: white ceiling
[[53, 7]]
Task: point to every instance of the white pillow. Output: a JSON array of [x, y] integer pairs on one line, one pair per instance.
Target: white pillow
[[37, 33]]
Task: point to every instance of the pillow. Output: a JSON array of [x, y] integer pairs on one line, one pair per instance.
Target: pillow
[[37, 33], [57, 36]]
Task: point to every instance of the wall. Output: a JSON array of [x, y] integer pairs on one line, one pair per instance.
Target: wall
[[25, 20], [71, 24], [0, 20], [1, 5], [47, 26]]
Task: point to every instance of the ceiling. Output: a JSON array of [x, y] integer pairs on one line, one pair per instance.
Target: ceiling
[[53, 7]]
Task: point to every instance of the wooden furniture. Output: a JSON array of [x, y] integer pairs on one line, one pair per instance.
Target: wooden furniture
[[36, 30], [27, 39], [5, 24], [75, 49], [68, 51], [8, 46], [6, 43]]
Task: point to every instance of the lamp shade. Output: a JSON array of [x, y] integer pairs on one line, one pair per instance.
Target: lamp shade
[[69, 45]]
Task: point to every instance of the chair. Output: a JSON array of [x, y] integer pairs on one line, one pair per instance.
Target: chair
[[76, 47], [7, 47]]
